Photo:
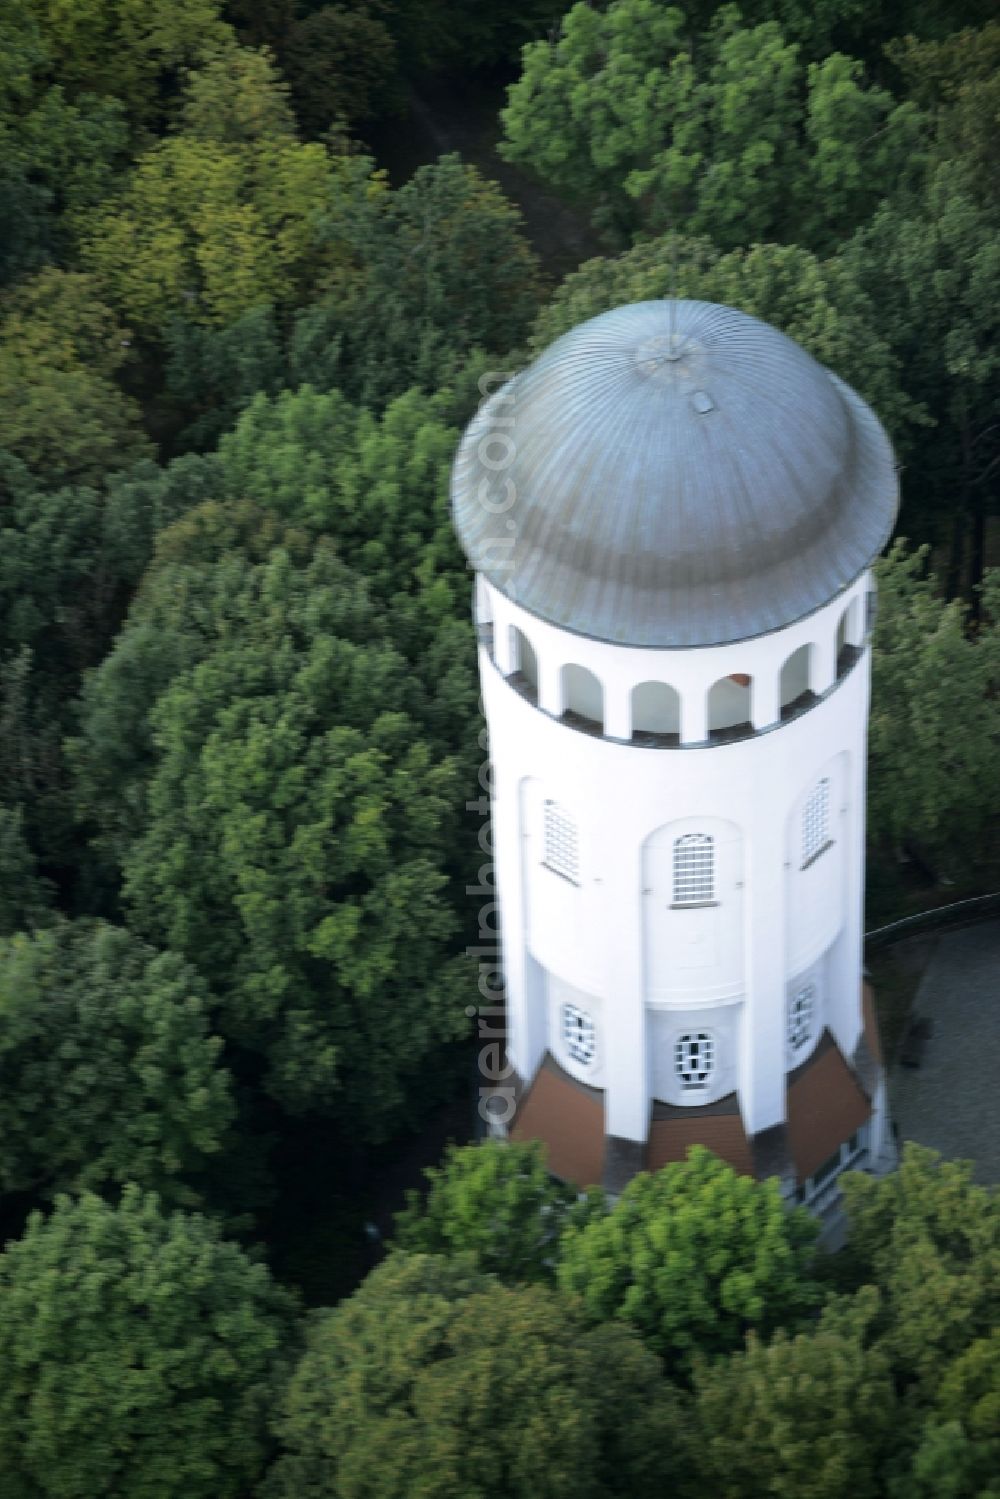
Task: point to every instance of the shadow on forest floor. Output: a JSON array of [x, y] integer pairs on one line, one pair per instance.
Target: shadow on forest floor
[[328, 1190], [441, 118]]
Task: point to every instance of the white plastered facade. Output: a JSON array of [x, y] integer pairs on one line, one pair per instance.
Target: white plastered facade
[[608, 936]]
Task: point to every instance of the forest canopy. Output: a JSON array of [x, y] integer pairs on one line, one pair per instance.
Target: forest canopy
[[258, 264]]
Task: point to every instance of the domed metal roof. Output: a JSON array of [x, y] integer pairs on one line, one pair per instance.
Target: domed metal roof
[[673, 474]]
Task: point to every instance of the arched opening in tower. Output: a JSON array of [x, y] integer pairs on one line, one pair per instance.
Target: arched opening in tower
[[796, 694], [524, 677], [729, 715], [583, 699], [848, 638], [656, 714]]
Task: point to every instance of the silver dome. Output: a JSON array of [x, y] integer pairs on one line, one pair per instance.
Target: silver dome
[[673, 474]]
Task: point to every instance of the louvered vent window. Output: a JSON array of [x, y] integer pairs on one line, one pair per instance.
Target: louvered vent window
[[562, 848], [694, 869], [801, 1016], [694, 1059], [816, 822], [579, 1035]]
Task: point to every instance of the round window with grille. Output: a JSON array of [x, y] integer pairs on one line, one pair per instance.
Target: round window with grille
[[801, 1015], [579, 1035], [694, 1059]]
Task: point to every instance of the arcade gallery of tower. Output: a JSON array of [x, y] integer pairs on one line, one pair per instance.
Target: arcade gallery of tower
[[672, 515]]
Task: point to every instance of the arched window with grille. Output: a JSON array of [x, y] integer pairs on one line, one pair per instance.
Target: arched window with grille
[[579, 1034], [694, 1059], [801, 1016], [561, 843], [816, 822], [694, 870]]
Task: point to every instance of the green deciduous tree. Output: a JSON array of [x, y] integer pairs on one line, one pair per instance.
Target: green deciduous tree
[[929, 1239], [214, 373], [39, 559], [439, 275], [31, 719], [400, 288], [859, 144], [24, 896], [435, 1380], [236, 98], [496, 1202], [856, 27], [443, 267], [58, 317], [59, 156], [108, 1072], [958, 1456], [67, 557], [74, 151], [282, 815], [61, 412], [22, 57], [313, 462], [60, 159], [132, 50], [146, 500], [932, 267], [934, 731], [341, 62], [957, 80], [138, 1355], [223, 217], [693, 1257], [378, 485], [805, 1417], [818, 28], [205, 231], [26, 242], [728, 134]]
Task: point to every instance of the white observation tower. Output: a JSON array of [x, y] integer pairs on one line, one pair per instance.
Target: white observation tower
[[672, 514]]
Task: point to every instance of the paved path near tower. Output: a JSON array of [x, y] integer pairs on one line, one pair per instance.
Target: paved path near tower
[[952, 1100]]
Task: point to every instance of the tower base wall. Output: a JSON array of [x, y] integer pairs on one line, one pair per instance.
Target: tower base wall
[[837, 1120]]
